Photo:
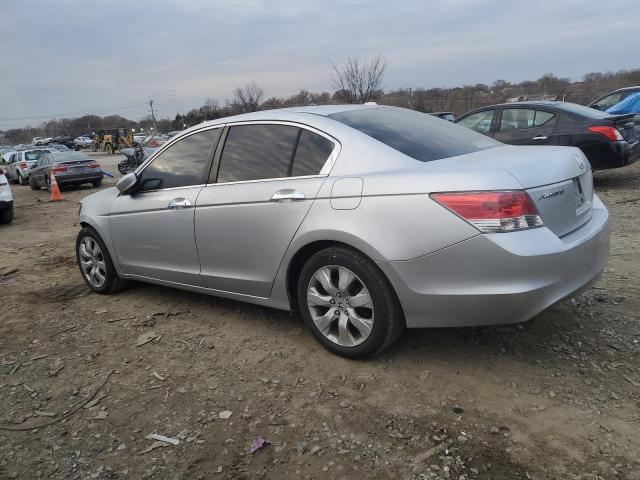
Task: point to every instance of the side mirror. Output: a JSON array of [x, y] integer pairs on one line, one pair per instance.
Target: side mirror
[[126, 183]]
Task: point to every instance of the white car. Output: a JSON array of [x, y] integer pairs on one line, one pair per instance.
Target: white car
[[18, 164], [6, 199], [82, 142]]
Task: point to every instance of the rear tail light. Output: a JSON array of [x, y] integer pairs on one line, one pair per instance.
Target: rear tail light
[[59, 168], [24, 165], [94, 165], [493, 212], [611, 133]]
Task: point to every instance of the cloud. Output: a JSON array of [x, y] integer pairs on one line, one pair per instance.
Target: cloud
[[66, 56]]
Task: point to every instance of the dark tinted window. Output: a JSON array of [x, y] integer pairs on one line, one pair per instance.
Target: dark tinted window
[[311, 155], [415, 134], [182, 164], [254, 152]]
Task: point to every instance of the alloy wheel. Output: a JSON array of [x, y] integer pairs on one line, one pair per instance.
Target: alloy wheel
[[92, 262], [340, 305]]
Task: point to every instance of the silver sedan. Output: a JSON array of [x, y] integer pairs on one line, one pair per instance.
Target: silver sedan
[[365, 219]]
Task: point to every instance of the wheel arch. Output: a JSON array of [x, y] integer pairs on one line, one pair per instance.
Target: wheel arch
[[305, 252]]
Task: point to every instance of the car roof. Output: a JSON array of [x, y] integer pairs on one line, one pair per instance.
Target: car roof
[[285, 114]]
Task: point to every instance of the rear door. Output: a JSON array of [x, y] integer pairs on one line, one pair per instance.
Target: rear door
[[153, 229], [525, 126], [268, 176]]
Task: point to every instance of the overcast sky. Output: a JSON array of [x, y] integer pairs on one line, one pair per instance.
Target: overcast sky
[[71, 57]]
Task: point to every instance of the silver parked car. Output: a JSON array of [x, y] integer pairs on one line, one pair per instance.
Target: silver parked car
[[365, 219]]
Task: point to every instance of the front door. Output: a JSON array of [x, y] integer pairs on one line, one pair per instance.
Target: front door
[[525, 126], [152, 229], [268, 177]]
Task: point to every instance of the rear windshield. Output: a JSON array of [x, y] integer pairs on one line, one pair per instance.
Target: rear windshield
[[34, 155], [418, 135], [64, 157]]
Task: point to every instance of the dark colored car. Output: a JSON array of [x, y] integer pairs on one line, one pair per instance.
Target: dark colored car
[[608, 141], [64, 140], [69, 168]]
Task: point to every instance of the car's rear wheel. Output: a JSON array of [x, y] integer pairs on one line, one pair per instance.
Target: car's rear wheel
[[96, 183], [95, 263], [348, 303], [32, 183], [22, 180]]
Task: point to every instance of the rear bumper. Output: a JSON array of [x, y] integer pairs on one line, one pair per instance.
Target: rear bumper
[[614, 154], [500, 278], [78, 178]]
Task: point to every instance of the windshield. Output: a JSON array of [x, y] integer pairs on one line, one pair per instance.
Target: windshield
[[418, 135]]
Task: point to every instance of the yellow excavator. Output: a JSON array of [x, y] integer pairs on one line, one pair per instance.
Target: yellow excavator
[[112, 139]]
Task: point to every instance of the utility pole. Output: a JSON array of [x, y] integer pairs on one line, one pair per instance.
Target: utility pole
[[153, 117]]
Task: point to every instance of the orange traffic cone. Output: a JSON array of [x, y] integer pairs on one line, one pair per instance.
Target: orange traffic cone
[[55, 191]]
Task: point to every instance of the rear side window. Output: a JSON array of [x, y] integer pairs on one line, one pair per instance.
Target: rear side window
[[517, 118], [255, 152], [311, 154], [480, 121], [184, 163], [542, 117], [418, 135]]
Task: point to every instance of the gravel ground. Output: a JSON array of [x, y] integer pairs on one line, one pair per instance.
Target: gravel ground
[[555, 398]]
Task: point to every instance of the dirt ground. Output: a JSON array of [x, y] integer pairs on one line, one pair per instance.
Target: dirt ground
[[556, 398]]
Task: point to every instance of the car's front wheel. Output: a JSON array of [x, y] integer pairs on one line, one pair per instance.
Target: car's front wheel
[[348, 303], [95, 263]]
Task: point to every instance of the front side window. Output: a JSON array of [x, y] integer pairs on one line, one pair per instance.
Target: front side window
[[610, 100], [311, 154], [184, 163], [480, 122], [256, 152]]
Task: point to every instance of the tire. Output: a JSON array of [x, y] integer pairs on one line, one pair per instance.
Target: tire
[[6, 216], [47, 186], [384, 324], [112, 282], [32, 184], [22, 180], [96, 183]]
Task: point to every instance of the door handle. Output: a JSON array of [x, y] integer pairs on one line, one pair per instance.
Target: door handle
[[179, 203], [540, 138], [287, 194]]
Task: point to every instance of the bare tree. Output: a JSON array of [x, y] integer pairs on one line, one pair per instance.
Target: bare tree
[[359, 80], [249, 97]]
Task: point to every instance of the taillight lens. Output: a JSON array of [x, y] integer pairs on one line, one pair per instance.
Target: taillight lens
[[24, 165], [611, 133], [59, 168], [94, 165], [493, 212]]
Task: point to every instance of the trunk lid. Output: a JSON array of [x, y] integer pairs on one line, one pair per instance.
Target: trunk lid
[[558, 179], [625, 125]]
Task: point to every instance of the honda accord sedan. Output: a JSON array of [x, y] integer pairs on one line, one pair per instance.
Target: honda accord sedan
[[365, 219]]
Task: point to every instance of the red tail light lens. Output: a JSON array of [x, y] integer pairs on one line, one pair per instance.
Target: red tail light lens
[[493, 212], [611, 133], [24, 165], [94, 165], [59, 168]]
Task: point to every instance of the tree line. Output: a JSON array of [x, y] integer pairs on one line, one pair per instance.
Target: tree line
[[353, 81]]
